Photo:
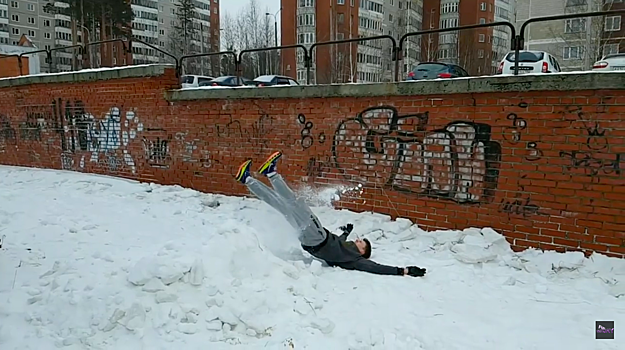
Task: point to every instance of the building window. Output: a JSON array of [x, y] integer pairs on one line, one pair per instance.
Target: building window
[[31, 33], [482, 38], [46, 23], [340, 18], [31, 20], [306, 3], [340, 36], [340, 2], [483, 7], [573, 52], [480, 53], [352, 3], [575, 25], [47, 35], [613, 23], [306, 38], [449, 23], [482, 20], [15, 18], [161, 31], [31, 7], [610, 49], [309, 19], [15, 4], [451, 7], [15, 31]]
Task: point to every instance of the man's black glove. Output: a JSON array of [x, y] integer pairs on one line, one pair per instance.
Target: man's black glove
[[347, 228], [415, 271]]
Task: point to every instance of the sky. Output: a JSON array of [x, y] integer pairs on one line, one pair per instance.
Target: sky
[[234, 6]]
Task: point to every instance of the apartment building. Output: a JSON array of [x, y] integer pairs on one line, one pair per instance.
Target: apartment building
[[400, 18], [505, 11], [576, 43], [153, 23], [308, 21], [470, 49]]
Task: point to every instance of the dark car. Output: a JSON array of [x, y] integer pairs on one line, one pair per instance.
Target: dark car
[[229, 80], [436, 70], [271, 80]]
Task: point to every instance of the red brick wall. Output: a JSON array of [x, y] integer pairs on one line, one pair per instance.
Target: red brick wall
[[10, 67], [544, 168]]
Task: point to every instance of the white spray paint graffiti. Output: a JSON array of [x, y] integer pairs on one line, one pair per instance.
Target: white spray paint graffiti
[[458, 162], [106, 137]]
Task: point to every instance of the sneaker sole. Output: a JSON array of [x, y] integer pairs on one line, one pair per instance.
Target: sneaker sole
[[242, 169], [269, 161]]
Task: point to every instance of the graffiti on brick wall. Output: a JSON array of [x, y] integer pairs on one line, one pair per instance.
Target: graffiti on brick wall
[[31, 128], [458, 162], [106, 139], [157, 149], [513, 134], [594, 159], [318, 166], [520, 205], [255, 135], [7, 133], [307, 138]]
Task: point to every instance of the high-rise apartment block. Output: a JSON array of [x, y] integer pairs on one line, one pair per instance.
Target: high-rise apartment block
[[153, 23], [478, 51], [578, 42]]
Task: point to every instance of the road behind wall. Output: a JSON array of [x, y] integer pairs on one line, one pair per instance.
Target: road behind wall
[[541, 159]]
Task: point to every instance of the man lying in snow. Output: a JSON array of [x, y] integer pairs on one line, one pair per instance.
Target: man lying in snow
[[315, 239]]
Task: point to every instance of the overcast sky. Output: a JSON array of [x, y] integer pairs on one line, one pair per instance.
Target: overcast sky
[[234, 6]]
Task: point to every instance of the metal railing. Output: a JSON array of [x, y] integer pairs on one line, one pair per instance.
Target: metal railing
[[397, 46], [308, 58], [399, 53]]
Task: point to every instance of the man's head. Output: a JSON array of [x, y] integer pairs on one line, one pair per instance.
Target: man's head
[[364, 247]]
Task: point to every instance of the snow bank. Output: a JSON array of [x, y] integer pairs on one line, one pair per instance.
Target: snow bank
[[102, 263]]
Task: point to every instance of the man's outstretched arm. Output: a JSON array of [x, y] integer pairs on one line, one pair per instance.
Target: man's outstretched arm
[[366, 265], [373, 267]]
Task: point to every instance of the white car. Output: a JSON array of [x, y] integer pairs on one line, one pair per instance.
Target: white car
[[530, 62], [610, 62], [192, 81]]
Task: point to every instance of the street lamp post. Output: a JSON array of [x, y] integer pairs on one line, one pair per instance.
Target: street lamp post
[[275, 22]]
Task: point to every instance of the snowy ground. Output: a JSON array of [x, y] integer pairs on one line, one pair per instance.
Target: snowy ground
[[92, 262]]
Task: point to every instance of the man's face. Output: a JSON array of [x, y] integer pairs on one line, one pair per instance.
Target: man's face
[[362, 245]]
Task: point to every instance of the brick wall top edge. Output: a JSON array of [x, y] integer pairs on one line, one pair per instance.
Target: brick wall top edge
[[524, 83], [148, 70]]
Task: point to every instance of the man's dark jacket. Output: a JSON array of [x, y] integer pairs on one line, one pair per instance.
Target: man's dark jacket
[[335, 251]]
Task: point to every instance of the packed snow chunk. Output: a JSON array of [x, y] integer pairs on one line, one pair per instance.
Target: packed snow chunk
[[164, 297], [196, 276], [153, 286], [316, 267], [134, 318], [168, 271], [472, 254]]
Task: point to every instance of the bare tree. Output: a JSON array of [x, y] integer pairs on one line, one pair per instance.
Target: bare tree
[[585, 40], [248, 29]]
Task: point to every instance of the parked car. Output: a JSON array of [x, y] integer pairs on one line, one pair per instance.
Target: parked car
[[436, 70], [190, 81], [530, 62], [228, 80], [271, 80], [610, 62]]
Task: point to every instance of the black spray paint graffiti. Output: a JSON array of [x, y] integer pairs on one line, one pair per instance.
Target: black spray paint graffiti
[[307, 139], [317, 168], [513, 135], [30, 129], [459, 162], [7, 133], [255, 135], [596, 159], [75, 125], [157, 151], [520, 205]]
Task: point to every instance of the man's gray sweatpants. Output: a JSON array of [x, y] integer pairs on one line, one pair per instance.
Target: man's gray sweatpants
[[295, 211]]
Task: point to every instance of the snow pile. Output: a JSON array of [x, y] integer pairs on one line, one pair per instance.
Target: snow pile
[[105, 263]]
